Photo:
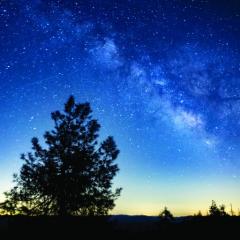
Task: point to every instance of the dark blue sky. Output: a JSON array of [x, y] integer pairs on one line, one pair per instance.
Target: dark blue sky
[[163, 77]]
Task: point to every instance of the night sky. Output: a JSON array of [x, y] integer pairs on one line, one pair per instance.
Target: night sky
[[162, 77]]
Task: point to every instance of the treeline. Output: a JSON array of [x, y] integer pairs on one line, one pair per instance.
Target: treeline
[[213, 211]]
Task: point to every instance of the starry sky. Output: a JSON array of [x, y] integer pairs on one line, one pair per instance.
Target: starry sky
[[162, 77]]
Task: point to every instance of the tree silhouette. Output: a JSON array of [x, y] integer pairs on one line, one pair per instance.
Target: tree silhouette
[[166, 215], [72, 174], [222, 210], [198, 214], [216, 211]]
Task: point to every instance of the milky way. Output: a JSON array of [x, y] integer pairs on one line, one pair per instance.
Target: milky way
[[163, 77]]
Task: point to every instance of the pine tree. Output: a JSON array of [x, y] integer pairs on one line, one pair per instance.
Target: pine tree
[[72, 174], [166, 215]]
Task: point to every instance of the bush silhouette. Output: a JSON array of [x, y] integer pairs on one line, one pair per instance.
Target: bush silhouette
[[72, 175]]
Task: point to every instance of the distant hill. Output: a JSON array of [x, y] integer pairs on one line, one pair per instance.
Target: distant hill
[[142, 218], [134, 218], [119, 226]]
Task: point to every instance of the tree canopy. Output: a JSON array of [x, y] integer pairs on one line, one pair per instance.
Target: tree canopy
[[71, 174]]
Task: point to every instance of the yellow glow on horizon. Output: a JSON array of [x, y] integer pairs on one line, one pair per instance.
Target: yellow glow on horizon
[[181, 199]]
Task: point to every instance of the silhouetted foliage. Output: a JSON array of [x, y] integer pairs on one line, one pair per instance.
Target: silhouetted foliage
[[216, 211], [166, 215], [72, 175], [199, 214]]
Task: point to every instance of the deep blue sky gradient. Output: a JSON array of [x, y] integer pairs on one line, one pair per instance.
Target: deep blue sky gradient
[[163, 77]]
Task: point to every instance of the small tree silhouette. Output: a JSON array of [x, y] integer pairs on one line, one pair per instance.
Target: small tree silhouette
[[216, 211], [166, 215], [231, 211], [222, 210], [72, 175], [198, 214]]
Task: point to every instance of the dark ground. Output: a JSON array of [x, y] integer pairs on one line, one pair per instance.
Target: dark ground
[[119, 227]]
